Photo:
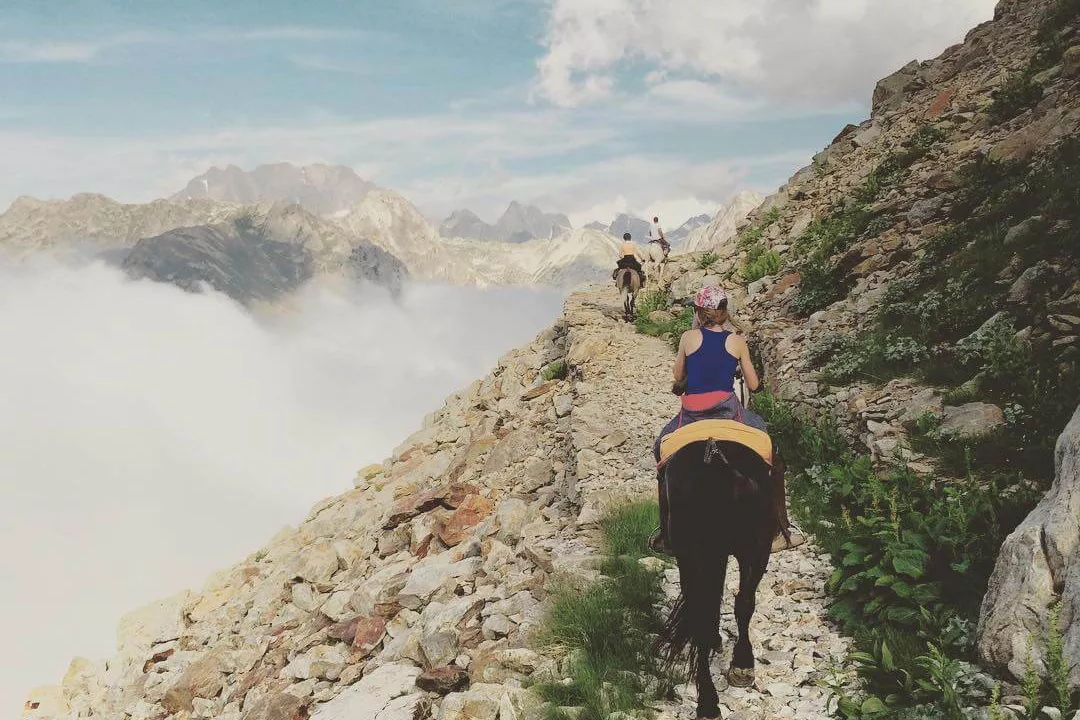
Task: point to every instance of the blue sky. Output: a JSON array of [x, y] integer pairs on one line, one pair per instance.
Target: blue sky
[[583, 106]]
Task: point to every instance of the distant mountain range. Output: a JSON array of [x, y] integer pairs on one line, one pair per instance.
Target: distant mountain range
[[639, 228], [323, 189], [258, 235], [519, 223]]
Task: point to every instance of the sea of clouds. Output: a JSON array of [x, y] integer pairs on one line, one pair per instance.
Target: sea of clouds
[[152, 436]]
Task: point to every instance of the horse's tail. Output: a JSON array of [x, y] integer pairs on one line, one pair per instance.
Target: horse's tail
[[676, 641]]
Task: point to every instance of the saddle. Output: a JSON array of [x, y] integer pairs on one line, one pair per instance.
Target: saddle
[[722, 430]]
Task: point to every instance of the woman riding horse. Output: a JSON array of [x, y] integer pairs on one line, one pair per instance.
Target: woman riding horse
[[719, 498], [704, 371]]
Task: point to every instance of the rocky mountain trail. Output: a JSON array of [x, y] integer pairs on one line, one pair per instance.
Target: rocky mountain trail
[[420, 590]]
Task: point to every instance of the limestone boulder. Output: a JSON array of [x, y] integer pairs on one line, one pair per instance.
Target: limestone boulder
[[275, 706], [372, 695], [1038, 564], [971, 420]]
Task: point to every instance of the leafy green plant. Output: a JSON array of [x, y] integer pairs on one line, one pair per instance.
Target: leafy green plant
[[765, 263], [1057, 664], [912, 559], [554, 371], [706, 260], [1032, 687], [1018, 93]]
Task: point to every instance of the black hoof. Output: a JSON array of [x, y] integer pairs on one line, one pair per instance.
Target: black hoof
[[740, 677]]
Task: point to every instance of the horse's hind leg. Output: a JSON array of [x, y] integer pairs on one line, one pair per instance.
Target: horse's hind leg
[[751, 570]]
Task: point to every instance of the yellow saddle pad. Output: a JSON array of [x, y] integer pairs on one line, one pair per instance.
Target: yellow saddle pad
[[724, 430]]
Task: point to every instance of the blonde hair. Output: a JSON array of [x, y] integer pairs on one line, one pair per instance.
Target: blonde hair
[[707, 317]]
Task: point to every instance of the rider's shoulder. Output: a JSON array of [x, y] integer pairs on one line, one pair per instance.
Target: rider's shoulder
[[689, 335]]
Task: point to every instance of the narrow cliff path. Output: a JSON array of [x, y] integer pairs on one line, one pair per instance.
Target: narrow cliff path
[[622, 398], [416, 594]]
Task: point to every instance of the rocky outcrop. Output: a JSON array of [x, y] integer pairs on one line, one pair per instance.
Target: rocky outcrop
[[720, 231], [418, 591], [677, 237], [32, 225], [1039, 566], [260, 256]]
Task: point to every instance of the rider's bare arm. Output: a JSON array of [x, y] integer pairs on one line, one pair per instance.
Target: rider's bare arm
[[742, 351], [680, 359]]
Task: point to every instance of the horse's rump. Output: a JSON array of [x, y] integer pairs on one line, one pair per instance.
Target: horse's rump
[[628, 279], [720, 497]]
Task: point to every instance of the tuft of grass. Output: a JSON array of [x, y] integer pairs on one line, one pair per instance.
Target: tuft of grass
[[554, 371], [673, 327], [627, 529], [1057, 665], [607, 630], [707, 260]]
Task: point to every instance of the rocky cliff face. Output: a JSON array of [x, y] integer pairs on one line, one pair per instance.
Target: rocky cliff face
[[915, 278], [1039, 566], [714, 233]]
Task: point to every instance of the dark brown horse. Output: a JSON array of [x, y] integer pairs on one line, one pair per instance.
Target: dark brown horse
[[719, 504]]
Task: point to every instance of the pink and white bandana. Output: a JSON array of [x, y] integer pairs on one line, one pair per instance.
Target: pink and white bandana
[[710, 298]]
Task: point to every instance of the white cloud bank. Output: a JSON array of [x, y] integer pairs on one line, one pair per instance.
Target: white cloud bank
[[778, 52], [152, 436]]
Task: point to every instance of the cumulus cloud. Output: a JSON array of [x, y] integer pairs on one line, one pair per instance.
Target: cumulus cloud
[[153, 436], [779, 52]]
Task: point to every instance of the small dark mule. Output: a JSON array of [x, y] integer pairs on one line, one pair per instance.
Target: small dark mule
[[719, 504], [628, 281]]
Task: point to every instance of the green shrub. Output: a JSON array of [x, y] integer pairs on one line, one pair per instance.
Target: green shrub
[[766, 263], [607, 629], [554, 371], [912, 558], [707, 260], [1057, 664], [1017, 94], [819, 287]]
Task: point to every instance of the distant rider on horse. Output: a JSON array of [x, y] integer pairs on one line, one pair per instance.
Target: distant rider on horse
[[656, 235], [629, 257], [709, 357]]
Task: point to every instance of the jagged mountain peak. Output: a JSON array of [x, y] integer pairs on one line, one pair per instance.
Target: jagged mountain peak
[[323, 189], [518, 223]]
